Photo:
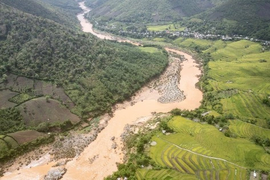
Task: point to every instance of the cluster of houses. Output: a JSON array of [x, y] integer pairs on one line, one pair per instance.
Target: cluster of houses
[[175, 34]]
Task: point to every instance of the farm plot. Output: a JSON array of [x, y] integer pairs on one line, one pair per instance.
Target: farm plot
[[5, 95], [41, 110], [247, 130], [246, 104], [22, 137]]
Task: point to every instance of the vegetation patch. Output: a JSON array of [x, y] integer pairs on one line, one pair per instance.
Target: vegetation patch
[[10, 120], [20, 98]]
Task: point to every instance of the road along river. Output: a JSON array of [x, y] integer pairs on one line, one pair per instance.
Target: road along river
[[99, 159]]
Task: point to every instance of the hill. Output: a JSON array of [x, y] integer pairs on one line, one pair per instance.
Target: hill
[[61, 14], [248, 18], [147, 10]]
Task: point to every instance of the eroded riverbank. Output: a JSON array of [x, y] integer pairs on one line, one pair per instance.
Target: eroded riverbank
[[99, 158]]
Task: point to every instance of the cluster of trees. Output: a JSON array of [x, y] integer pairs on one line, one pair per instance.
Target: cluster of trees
[[94, 73], [266, 101], [262, 141], [10, 120]]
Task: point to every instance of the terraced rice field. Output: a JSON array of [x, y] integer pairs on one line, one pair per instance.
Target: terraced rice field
[[247, 130], [237, 65], [201, 151], [197, 166], [239, 74], [246, 104]]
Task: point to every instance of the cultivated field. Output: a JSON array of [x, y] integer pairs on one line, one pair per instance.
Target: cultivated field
[[201, 151], [5, 95], [41, 110], [247, 130], [22, 137], [238, 74]]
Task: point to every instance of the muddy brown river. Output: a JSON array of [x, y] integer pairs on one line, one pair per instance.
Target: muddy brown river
[[106, 157]]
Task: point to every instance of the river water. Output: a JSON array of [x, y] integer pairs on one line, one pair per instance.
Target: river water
[[104, 164]]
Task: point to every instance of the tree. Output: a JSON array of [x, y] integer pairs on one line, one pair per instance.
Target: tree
[[4, 78]]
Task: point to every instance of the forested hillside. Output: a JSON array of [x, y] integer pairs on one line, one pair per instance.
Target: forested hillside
[[93, 73], [225, 17], [147, 10], [61, 14]]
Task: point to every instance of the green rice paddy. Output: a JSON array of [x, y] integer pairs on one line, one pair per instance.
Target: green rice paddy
[[201, 151]]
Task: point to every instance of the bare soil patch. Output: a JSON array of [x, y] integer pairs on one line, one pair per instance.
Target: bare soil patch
[[23, 84], [5, 95], [41, 110], [26, 136]]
